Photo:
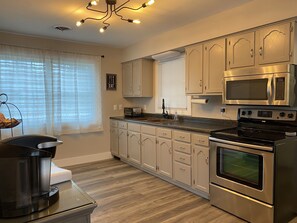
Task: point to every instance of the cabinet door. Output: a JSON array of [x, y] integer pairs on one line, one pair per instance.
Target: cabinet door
[[127, 79], [114, 143], [137, 77], [274, 44], [164, 157], [148, 152], [214, 66], [240, 50], [134, 147], [123, 143], [194, 69], [201, 168]]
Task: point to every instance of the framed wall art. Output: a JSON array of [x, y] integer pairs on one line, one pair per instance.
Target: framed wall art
[[111, 82]]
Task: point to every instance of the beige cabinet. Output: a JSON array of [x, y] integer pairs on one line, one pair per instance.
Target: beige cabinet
[[134, 152], [194, 69], [274, 44], [123, 143], [205, 66], [138, 78], [182, 157], [200, 166], [148, 147], [214, 66], [114, 142], [164, 152], [240, 50]]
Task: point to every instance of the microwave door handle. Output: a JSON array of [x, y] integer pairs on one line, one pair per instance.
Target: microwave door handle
[[269, 90]]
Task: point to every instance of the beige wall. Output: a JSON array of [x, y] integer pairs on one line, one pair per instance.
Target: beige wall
[[83, 144], [252, 14]]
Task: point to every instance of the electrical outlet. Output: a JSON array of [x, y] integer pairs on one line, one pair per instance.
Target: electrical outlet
[[115, 107], [222, 110], [144, 108], [120, 107]]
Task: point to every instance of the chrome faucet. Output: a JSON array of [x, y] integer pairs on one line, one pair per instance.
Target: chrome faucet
[[165, 114]]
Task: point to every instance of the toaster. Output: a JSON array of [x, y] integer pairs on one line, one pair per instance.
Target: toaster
[[132, 111]]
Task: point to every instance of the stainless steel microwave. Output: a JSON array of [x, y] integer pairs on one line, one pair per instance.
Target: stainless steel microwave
[[270, 85]]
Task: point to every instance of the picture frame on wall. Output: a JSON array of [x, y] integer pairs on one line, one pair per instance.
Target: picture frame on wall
[[111, 82]]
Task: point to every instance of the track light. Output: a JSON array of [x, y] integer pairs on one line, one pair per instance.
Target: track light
[[79, 23], [102, 29]]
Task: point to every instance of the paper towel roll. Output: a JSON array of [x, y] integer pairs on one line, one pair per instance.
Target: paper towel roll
[[199, 101]]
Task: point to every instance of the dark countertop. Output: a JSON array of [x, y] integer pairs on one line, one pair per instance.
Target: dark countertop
[[203, 125]]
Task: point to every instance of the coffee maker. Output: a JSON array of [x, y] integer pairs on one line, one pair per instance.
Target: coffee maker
[[25, 170]]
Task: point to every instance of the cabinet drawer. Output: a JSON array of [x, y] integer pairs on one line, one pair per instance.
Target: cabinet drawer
[[182, 158], [182, 136], [150, 130], [182, 147], [113, 123], [164, 133], [122, 125], [182, 173], [134, 127], [200, 139]]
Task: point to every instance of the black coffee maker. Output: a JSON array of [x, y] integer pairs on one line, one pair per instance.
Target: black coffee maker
[[25, 170]]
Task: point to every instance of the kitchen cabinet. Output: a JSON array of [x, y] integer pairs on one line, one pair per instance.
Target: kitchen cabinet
[[182, 157], [205, 66], [194, 69], [214, 66], [164, 152], [200, 166], [114, 143], [148, 148], [134, 152], [274, 43], [240, 50], [262, 46], [138, 78], [123, 139]]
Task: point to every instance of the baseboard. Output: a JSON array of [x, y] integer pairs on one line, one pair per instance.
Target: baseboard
[[82, 159]]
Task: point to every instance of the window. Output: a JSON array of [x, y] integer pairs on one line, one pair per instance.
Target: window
[[57, 93], [171, 86]]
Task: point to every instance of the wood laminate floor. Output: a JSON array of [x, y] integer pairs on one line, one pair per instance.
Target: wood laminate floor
[[126, 194]]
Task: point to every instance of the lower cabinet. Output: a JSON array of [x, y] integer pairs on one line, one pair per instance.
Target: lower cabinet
[[164, 157], [123, 143], [148, 152], [180, 157]]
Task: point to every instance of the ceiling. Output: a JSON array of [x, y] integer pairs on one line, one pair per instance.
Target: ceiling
[[37, 18]]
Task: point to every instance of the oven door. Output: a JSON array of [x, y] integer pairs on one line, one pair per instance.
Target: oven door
[[248, 90], [242, 168]]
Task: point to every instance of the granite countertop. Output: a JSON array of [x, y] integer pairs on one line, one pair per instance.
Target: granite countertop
[[203, 125]]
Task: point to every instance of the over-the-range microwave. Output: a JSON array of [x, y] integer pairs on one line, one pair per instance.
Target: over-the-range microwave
[[270, 85]]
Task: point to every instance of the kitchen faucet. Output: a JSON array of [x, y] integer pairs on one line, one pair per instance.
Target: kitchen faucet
[[165, 114]]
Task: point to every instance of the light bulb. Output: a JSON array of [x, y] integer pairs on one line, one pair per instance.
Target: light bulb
[[79, 23], [150, 2], [136, 21], [102, 29], [94, 2]]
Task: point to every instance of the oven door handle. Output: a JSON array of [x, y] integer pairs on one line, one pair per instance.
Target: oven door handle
[[252, 146]]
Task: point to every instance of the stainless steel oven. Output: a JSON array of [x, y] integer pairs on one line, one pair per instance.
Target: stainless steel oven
[[273, 85], [244, 168], [253, 166]]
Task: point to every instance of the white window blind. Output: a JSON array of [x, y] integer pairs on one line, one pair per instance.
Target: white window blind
[[171, 83], [57, 93]]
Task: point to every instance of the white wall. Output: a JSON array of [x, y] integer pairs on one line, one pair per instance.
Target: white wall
[[82, 147], [252, 14]]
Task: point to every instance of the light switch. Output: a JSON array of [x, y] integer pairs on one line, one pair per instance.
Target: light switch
[[120, 107], [115, 107]]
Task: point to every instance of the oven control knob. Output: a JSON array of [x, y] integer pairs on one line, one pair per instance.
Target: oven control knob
[[243, 113], [250, 112], [290, 115], [282, 114]]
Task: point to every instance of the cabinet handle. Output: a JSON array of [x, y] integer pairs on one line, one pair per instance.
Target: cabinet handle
[[252, 52], [181, 137], [182, 169], [206, 160], [200, 83], [261, 51], [182, 158], [181, 148]]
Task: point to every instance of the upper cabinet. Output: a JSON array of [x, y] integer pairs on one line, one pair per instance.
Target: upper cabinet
[[266, 45], [240, 50], [138, 78], [205, 66], [274, 43]]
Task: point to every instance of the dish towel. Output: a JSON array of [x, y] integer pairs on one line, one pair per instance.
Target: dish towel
[[59, 175]]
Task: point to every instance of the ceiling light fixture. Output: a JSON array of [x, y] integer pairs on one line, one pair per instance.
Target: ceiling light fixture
[[111, 9]]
